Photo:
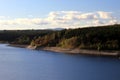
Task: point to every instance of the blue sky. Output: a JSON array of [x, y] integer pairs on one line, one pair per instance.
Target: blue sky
[[34, 9]]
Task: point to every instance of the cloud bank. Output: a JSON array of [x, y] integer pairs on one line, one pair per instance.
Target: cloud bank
[[60, 19]]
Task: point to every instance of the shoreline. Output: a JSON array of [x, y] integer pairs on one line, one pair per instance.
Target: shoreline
[[17, 45], [82, 51], [71, 51]]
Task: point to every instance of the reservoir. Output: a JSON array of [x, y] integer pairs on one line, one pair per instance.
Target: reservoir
[[25, 64]]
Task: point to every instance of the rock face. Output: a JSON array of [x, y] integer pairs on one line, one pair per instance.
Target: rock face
[[32, 47]]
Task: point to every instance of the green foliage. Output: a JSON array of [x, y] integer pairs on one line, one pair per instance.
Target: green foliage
[[23, 40], [112, 44], [69, 43], [47, 40], [99, 38], [17, 36]]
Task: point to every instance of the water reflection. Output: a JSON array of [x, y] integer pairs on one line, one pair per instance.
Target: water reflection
[[25, 64]]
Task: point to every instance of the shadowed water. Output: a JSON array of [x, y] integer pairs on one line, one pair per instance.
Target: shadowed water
[[25, 64]]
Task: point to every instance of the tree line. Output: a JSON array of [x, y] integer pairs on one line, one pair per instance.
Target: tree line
[[21, 36], [98, 38]]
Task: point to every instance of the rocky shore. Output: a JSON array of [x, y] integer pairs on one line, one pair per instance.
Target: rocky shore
[[72, 51], [78, 51]]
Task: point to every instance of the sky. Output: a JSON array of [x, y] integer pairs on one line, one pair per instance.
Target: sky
[[47, 14]]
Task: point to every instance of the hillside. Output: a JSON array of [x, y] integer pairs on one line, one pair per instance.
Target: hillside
[[97, 38], [21, 36]]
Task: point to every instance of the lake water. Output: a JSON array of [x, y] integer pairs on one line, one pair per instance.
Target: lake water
[[25, 64]]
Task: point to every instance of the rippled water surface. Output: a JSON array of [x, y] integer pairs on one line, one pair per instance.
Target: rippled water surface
[[25, 64]]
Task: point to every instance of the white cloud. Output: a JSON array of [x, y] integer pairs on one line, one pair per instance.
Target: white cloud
[[104, 15], [64, 19], [4, 17]]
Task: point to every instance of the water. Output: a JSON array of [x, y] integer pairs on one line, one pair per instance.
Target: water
[[25, 64]]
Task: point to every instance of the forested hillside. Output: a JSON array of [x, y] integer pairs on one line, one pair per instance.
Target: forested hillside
[[21, 36], [98, 38]]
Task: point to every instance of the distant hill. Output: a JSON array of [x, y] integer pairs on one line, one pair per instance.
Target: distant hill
[[58, 29]]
